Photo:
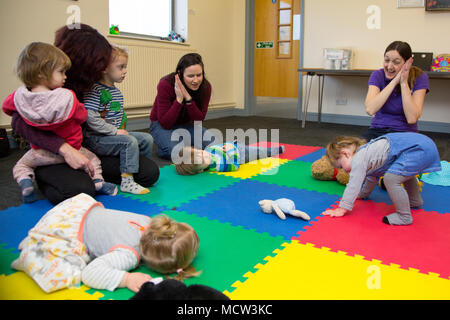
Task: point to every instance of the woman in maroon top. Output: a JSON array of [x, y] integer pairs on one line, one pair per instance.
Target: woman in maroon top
[[182, 99]]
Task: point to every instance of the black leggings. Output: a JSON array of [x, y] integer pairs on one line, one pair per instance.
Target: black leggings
[[59, 182]]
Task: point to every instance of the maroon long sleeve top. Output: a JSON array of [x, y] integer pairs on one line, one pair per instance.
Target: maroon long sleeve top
[[169, 112]]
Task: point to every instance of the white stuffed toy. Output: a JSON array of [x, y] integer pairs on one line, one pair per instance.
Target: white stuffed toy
[[282, 206]]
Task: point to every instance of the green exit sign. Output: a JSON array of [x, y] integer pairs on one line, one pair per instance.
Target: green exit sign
[[264, 44]]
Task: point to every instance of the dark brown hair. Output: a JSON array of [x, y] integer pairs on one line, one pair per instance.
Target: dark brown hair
[[190, 59], [405, 51], [90, 53]]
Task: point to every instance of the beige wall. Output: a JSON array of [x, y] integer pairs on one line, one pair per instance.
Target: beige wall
[[331, 23], [215, 30]]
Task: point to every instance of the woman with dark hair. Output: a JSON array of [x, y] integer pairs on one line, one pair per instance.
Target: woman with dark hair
[[396, 93], [90, 54], [183, 97]]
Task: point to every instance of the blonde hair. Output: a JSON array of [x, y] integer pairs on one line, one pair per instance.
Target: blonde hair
[[118, 51], [187, 166], [37, 62], [337, 144], [168, 246]]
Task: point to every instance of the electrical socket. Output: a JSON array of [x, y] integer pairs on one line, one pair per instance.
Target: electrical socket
[[341, 102]]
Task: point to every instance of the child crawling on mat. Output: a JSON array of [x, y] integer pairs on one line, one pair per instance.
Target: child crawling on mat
[[80, 240], [221, 157], [398, 156]]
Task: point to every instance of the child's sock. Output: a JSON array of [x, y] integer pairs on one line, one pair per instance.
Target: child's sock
[[398, 219], [104, 187], [129, 185], [26, 185]]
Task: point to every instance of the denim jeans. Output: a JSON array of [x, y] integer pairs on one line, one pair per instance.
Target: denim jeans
[[127, 147], [163, 137]]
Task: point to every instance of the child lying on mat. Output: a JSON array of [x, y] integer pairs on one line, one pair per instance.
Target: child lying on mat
[[80, 240], [398, 156], [221, 157]]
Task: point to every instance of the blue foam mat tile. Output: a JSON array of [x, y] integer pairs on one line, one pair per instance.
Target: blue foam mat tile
[[313, 156], [238, 205], [120, 202], [434, 198], [15, 222]]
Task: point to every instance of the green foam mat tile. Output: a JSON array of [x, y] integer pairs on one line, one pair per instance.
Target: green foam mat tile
[[297, 174], [173, 189], [7, 256], [226, 253]]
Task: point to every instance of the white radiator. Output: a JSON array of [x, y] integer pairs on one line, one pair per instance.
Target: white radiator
[[148, 62]]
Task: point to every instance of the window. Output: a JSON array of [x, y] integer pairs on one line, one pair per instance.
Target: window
[[284, 29], [143, 17]]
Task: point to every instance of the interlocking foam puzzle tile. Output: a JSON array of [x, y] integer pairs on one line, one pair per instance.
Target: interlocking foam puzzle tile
[[291, 151], [121, 202], [297, 174], [253, 168], [302, 271], [423, 245], [313, 156], [173, 189], [15, 222], [434, 198], [19, 286], [413, 263], [7, 256], [225, 254], [238, 204]]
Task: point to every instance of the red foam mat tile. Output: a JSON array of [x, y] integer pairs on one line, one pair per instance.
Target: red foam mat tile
[[423, 245], [292, 151]]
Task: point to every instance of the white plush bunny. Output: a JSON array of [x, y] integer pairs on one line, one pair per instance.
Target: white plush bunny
[[282, 206]]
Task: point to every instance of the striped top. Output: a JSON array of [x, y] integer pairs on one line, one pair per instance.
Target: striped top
[[105, 109], [224, 161]]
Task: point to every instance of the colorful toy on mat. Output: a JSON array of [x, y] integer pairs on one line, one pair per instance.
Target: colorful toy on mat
[[281, 207], [441, 63], [438, 178], [322, 169]]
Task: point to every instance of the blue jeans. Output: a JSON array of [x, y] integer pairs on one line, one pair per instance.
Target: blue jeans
[[163, 137], [127, 147]]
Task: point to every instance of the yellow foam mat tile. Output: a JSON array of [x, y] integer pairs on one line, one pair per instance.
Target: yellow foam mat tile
[[253, 168], [304, 272], [19, 286]]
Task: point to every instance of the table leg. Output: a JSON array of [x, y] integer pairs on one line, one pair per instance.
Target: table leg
[[309, 79], [320, 91]]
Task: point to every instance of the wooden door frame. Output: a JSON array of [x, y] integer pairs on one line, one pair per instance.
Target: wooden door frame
[[249, 98]]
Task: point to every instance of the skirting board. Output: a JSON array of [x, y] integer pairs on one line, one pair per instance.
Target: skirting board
[[431, 126]]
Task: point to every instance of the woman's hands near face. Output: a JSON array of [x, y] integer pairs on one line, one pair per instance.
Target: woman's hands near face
[[180, 90]]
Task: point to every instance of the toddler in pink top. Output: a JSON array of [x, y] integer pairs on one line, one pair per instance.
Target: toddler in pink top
[[43, 103]]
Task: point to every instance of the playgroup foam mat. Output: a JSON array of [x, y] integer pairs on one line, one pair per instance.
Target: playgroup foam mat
[[248, 254]]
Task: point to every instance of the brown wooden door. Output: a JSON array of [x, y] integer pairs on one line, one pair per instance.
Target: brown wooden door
[[275, 68]]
